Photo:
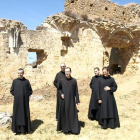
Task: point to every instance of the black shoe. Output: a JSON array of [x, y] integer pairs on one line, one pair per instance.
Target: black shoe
[[103, 127], [18, 133], [66, 132]]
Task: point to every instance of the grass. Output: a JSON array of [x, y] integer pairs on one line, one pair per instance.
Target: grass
[[44, 123]]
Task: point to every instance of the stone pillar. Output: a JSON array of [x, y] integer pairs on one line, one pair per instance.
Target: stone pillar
[[11, 40], [14, 40]]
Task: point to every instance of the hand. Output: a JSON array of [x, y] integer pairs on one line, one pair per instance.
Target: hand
[[62, 96], [106, 88], [99, 101], [77, 103]]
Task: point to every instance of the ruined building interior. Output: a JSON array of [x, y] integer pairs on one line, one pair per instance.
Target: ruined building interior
[[88, 34]]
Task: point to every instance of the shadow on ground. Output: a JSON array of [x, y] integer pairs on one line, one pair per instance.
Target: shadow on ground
[[35, 124], [82, 124]]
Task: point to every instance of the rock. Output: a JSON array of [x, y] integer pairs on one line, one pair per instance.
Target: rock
[[36, 98], [5, 119], [4, 114], [5, 122]]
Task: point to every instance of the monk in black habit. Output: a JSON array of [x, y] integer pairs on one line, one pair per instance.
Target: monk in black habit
[[21, 90], [108, 113], [93, 106], [58, 77], [68, 117]]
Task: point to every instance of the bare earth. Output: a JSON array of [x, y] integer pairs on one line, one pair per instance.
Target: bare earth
[[43, 114]]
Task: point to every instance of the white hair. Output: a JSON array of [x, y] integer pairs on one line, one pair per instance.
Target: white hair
[[62, 64]]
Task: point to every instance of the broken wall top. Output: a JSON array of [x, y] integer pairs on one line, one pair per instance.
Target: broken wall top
[[105, 9], [8, 24], [114, 34]]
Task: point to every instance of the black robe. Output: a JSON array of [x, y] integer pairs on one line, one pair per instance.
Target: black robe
[[93, 106], [58, 77], [21, 90], [68, 117], [108, 113]]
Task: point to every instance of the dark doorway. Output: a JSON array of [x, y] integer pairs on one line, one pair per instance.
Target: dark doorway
[[115, 69], [115, 61]]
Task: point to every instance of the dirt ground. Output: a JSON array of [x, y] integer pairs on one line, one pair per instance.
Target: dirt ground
[[43, 114]]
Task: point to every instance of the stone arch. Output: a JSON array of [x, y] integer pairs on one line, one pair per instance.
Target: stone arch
[[128, 33], [54, 25], [86, 25], [122, 48]]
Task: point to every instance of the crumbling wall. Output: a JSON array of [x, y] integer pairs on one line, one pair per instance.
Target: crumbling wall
[[47, 45], [104, 9], [130, 60], [82, 44], [82, 55], [79, 51]]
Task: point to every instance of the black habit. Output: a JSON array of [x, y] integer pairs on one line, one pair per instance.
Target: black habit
[[21, 90], [68, 117], [58, 77], [108, 113], [93, 106]]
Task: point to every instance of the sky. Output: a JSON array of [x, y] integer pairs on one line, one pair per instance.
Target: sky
[[32, 57], [123, 2], [34, 12], [31, 12]]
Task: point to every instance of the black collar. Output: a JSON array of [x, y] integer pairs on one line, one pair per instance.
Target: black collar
[[97, 76], [69, 78], [21, 79], [62, 72], [106, 77]]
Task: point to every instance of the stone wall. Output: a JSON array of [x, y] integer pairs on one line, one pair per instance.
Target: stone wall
[[104, 9], [81, 44], [51, 50]]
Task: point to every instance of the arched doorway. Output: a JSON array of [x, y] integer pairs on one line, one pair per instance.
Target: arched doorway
[[115, 61], [121, 44]]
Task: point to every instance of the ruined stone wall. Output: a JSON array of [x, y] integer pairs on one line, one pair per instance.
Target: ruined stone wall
[[79, 53], [81, 44], [5, 74], [130, 60], [35, 40], [50, 43], [82, 54], [104, 9]]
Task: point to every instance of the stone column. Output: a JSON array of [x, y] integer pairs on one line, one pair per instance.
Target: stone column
[[14, 40]]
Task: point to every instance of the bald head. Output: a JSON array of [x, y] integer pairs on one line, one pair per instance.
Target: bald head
[[63, 66]]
